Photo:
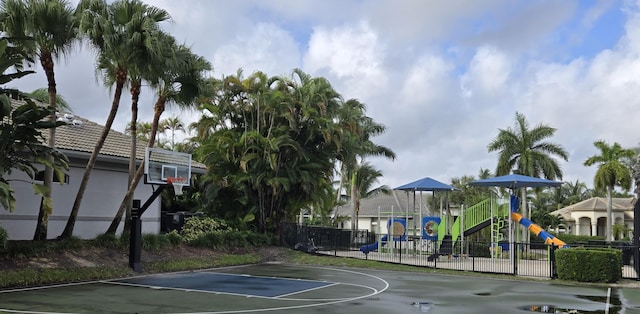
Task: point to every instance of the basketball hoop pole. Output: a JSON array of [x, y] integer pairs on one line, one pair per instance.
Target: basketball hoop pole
[[135, 236]]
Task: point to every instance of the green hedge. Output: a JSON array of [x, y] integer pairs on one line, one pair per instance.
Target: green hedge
[[4, 237], [231, 239], [578, 239], [589, 265]]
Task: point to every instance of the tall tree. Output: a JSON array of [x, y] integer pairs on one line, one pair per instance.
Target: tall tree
[[52, 25], [356, 133], [21, 127], [42, 95], [120, 33], [611, 173], [273, 146], [172, 125], [527, 152], [141, 131], [366, 178], [178, 81]]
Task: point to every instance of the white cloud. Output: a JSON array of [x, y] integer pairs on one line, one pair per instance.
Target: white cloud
[[442, 76], [267, 48], [351, 54]]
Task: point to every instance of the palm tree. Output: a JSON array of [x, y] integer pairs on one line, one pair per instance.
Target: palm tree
[[357, 131], [51, 23], [365, 179], [527, 152], [611, 173], [42, 95], [178, 81], [172, 124], [141, 130], [120, 32]]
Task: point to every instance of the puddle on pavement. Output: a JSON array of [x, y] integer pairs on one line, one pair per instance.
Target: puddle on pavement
[[424, 307], [553, 309], [614, 306]]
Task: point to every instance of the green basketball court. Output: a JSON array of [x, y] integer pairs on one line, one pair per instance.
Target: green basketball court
[[280, 288]]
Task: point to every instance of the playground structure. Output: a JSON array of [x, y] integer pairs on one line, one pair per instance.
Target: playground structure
[[437, 239]]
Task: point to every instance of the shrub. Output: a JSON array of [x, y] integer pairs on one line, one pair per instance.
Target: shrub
[[259, 239], [195, 227], [578, 239], [72, 243], [589, 265], [174, 238], [107, 241], [155, 242], [4, 238], [210, 240], [479, 249]]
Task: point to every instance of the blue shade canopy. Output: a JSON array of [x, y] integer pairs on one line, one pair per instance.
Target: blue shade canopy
[[426, 184], [514, 181]]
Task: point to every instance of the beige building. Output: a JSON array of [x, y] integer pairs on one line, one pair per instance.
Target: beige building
[[589, 217]]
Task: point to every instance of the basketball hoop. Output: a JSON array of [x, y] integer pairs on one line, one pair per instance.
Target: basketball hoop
[[178, 183]]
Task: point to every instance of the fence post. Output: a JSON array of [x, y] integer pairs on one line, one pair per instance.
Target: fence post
[[552, 257], [335, 241], [514, 254]]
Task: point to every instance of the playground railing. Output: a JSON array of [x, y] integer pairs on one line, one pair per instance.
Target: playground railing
[[521, 259]]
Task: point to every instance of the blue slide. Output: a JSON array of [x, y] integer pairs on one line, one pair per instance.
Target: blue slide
[[373, 246]]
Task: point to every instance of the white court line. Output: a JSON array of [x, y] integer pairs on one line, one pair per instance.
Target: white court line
[[306, 290], [266, 277]]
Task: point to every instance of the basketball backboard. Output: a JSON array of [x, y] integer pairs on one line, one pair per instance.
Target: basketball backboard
[[161, 164]]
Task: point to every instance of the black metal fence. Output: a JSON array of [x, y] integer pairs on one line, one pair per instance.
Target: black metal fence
[[520, 259]]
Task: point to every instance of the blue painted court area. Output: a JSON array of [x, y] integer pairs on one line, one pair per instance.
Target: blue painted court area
[[228, 283]]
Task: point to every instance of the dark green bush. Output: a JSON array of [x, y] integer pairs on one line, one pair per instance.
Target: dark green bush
[[589, 265], [197, 226], [108, 241], [259, 239], [479, 249], [4, 238], [231, 239], [210, 240], [578, 239], [155, 242], [26, 249], [174, 238], [72, 243]]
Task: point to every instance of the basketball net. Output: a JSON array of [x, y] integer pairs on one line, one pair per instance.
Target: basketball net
[[178, 183]]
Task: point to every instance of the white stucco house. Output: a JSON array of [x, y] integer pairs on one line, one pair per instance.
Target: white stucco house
[[105, 191], [589, 217]]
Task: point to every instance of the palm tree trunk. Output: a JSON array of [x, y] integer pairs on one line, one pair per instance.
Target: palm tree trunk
[[354, 201], [121, 77], [135, 96], [524, 212], [159, 109], [46, 207], [608, 234]]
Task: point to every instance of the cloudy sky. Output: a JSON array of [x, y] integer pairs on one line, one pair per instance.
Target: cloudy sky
[[442, 76]]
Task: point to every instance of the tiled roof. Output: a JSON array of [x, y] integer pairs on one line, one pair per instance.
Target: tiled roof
[[386, 203], [83, 135], [597, 204]]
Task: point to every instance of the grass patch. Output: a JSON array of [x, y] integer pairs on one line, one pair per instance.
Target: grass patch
[[38, 277], [200, 263]]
